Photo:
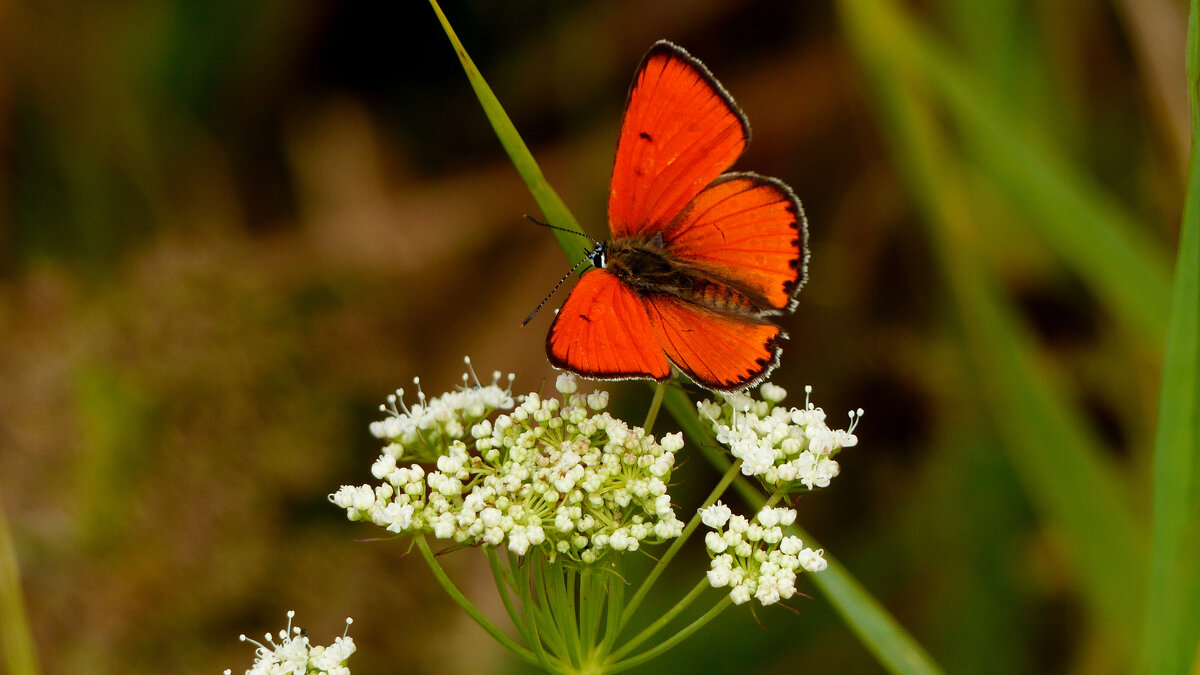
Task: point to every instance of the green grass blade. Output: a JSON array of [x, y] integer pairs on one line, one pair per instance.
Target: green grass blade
[[16, 641], [547, 199], [1172, 627], [1074, 216], [1054, 451], [893, 647]]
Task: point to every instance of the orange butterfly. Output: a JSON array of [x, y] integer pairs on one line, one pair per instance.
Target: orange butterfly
[[698, 257]]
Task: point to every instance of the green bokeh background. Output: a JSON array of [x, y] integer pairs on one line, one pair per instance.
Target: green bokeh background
[[229, 229]]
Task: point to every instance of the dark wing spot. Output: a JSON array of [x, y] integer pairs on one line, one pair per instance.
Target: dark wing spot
[[585, 318], [646, 136]]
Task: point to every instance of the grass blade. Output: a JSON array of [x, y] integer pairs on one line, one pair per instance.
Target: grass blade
[[1172, 626], [16, 640], [552, 206]]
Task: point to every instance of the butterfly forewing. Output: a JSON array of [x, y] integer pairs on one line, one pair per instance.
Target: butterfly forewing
[[604, 332], [681, 130]]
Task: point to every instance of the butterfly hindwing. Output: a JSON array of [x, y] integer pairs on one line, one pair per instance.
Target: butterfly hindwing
[[681, 130], [718, 351], [749, 230], [604, 332]]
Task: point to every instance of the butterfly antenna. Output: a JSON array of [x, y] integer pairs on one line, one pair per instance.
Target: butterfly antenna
[[552, 291], [535, 221]]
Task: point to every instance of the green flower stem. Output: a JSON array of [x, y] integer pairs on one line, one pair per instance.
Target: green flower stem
[[663, 620], [616, 608], [532, 617], [675, 639], [543, 610], [505, 587], [660, 390], [562, 599], [730, 474], [469, 608], [591, 606]]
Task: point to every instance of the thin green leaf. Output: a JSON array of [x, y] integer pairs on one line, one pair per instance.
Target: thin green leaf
[[1172, 626], [1054, 451], [547, 199], [16, 640]]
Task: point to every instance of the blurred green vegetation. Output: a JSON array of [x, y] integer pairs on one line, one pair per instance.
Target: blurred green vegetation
[[228, 230]]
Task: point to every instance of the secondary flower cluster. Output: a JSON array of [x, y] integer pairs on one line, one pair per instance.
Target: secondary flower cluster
[[753, 557], [294, 654], [554, 473], [784, 447]]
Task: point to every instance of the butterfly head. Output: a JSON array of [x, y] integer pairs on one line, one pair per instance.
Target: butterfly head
[[599, 255]]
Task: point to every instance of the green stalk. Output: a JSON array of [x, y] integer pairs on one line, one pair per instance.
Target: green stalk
[[661, 566], [562, 598], [470, 609], [591, 607], [16, 639], [549, 624], [662, 621], [616, 609], [660, 389], [504, 587], [532, 617], [675, 639]]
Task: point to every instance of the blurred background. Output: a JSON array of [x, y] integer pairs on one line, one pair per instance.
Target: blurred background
[[228, 230]]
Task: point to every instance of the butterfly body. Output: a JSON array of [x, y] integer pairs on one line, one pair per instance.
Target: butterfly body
[[699, 258], [649, 268]]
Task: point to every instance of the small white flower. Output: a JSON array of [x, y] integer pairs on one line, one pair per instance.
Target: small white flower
[[716, 515], [715, 542], [719, 571], [791, 545], [293, 654], [772, 393], [813, 561], [566, 383], [768, 517]]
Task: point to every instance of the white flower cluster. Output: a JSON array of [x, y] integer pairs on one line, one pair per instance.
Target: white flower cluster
[[558, 474], [784, 447], [753, 557], [423, 431], [293, 655]]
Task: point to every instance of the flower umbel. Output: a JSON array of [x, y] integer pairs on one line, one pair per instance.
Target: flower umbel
[[753, 557], [786, 448], [556, 473], [293, 654]]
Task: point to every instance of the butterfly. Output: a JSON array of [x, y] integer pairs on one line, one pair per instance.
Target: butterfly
[[699, 258]]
